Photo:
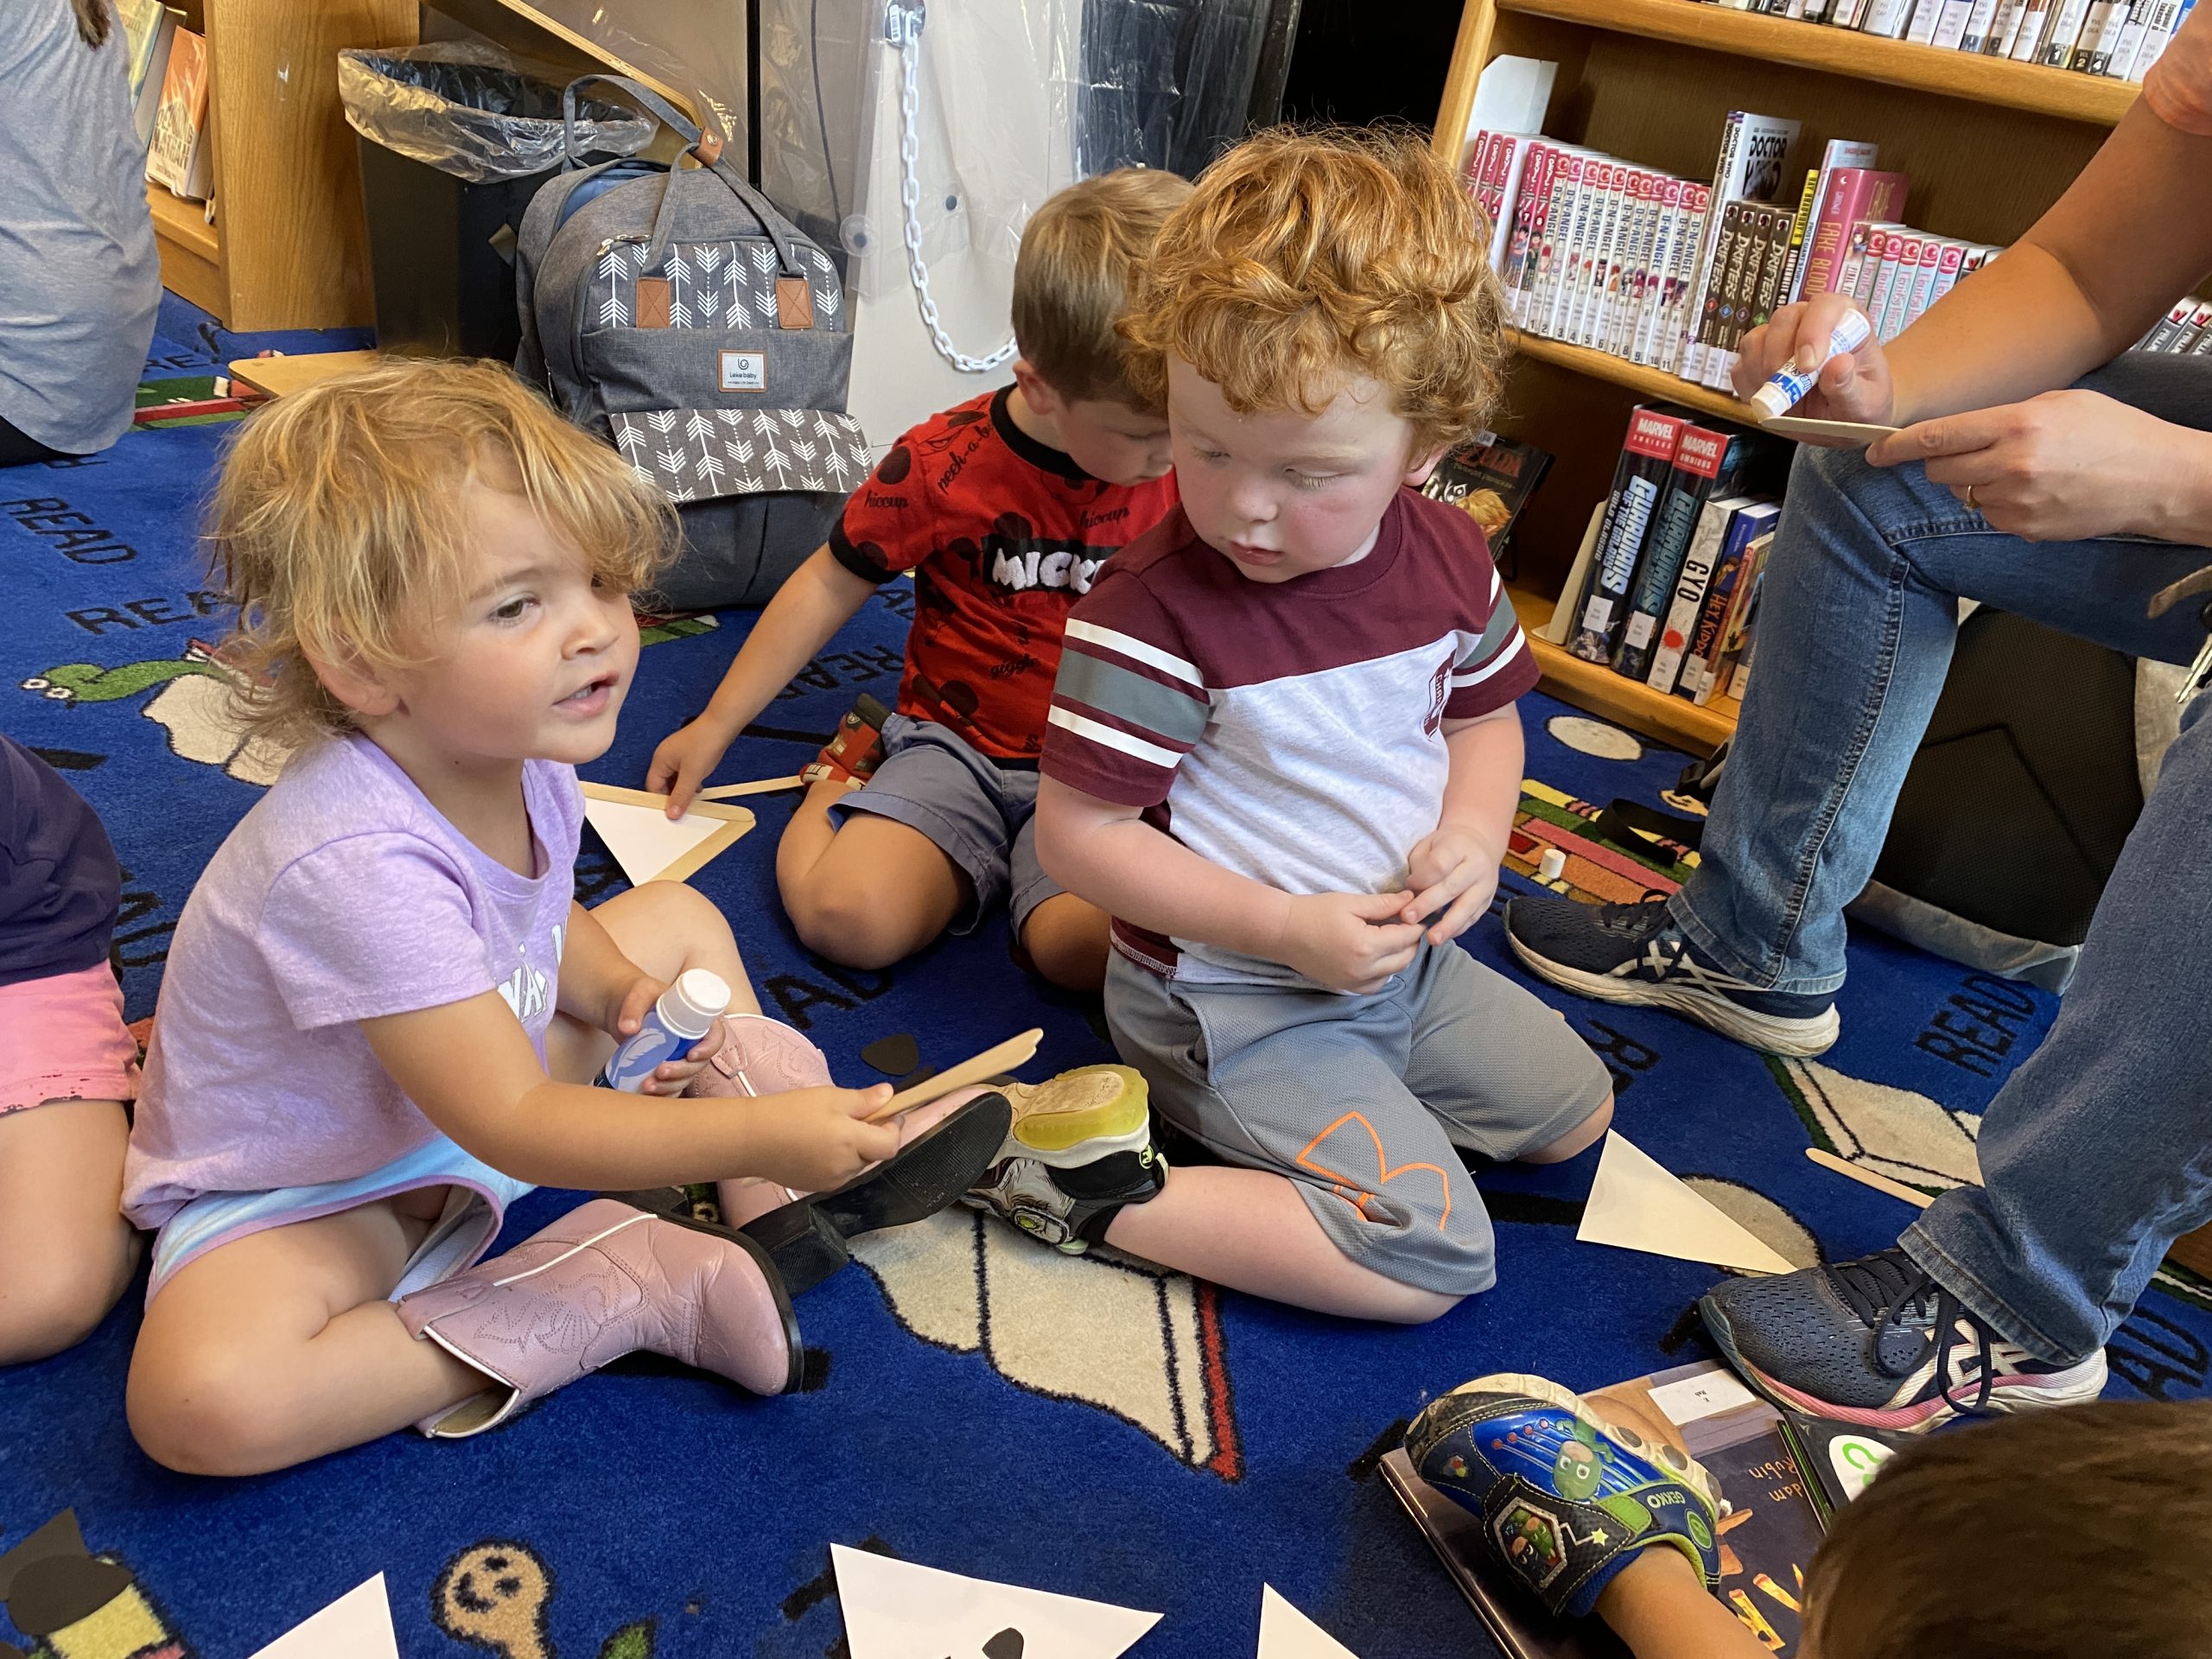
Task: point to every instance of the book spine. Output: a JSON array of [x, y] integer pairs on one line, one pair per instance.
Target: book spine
[[1924, 280], [1652, 306], [1950, 265], [1951, 24], [1757, 243], [1894, 286], [1605, 273], [1558, 241], [2163, 336], [2065, 29], [1513, 271], [2130, 40], [1975, 36], [1689, 591], [2108, 37], [1728, 253], [1744, 528], [1842, 206], [1699, 457], [1800, 227], [1635, 255], [2157, 30], [1542, 226], [1724, 171], [1512, 170], [1735, 625], [1589, 256], [1676, 322], [1647, 457], [2005, 28], [1922, 27], [2084, 53], [2034, 28]]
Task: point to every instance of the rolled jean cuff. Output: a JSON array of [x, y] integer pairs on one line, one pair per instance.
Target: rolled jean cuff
[[1979, 1299], [1681, 911]]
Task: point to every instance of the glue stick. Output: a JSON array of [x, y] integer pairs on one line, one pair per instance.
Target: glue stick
[[1782, 392], [685, 1014]]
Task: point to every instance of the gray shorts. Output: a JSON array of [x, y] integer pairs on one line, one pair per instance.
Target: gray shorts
[[979, 813], [1365, 1100]]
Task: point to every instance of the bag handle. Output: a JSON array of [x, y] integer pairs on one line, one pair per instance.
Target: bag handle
[[706, 147]]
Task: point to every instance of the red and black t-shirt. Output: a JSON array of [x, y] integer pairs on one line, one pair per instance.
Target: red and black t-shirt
[[1003, 536]]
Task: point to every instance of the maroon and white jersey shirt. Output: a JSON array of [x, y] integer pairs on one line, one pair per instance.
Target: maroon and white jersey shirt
[[1291, 732]]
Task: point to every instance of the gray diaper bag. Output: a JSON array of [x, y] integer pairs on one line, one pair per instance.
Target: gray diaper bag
[[676, 314]]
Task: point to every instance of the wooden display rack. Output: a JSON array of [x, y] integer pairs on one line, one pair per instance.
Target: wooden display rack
[[1988, 145], [289, 249]]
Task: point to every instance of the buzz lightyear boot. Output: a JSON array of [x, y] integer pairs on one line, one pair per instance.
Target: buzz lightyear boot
[[605, 1281], [1566, 1496]]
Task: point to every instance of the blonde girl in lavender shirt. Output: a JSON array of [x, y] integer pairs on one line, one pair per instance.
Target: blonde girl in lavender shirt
[[382, 1006]]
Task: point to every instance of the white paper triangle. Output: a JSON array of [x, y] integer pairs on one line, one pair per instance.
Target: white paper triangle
[[358, 1625], [644, 839], [895, 1610], [1637, 1204], [1286, 1633]]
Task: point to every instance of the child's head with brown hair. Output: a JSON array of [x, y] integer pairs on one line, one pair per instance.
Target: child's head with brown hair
[[430, 542], [1080, 254], [1323, 323], [2081, 1530]]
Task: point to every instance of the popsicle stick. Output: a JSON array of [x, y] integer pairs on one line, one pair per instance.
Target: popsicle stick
[[765, 786], [1014, 1051], [1868, 1178]]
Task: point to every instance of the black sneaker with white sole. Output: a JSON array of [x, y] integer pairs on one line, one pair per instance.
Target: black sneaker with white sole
[[1635, 954]]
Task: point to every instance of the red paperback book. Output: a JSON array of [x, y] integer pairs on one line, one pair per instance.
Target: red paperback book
[[1855, 194]]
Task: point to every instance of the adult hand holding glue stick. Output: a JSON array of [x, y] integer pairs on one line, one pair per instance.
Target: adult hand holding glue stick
[[1968, 384]]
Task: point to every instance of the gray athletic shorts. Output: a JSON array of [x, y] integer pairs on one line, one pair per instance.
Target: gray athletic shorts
[[1364, 1100], [979, 813]]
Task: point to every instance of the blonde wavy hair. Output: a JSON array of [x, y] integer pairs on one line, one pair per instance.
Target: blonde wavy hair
[[341, 524], [1309, 259], [1080, 254]]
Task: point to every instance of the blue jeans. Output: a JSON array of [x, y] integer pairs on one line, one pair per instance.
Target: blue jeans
[[2097, 1151]]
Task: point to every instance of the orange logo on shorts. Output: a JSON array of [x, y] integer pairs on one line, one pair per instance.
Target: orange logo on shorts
[[1350, 1189]]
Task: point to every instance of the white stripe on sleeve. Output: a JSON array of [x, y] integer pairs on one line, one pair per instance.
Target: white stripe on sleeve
[[1152, 656], [1099, 732]]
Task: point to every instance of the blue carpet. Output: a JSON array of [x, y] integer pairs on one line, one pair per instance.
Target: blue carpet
[[1087, 1427]]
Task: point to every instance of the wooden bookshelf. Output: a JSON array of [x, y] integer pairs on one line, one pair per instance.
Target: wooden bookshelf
[[1987, 144], [289, 249]]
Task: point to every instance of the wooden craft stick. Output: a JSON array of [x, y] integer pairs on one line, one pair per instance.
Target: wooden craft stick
[[765, 786], [1015, 1051], [1868, 1178]]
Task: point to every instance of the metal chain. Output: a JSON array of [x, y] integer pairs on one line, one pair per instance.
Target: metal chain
[[902, 28]]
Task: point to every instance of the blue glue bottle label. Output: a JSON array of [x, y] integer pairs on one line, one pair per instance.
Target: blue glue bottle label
[[685, 1012]]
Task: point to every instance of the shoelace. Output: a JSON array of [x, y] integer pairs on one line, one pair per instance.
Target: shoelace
[[1882, 1290]]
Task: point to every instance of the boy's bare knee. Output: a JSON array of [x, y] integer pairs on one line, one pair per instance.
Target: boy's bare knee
[[1577, 1139], [674, 908], [54, 1302], [1067, 941], [202, 1413], [848, 926], [1410, 1305]]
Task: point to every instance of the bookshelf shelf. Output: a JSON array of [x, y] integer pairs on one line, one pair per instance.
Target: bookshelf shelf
[[1644, 381], [1988, 145], [1634, 704], [2027, 86], [290, 247]]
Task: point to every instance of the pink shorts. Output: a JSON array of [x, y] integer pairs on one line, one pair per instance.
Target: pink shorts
[[62, 1038]]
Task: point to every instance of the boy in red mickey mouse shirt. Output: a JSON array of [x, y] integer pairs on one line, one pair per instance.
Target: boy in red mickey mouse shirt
[[1003, 509]]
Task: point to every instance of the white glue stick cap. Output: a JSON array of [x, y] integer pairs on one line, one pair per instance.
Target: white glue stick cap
[[696, 1000], [1551, 865], [1771, 400]]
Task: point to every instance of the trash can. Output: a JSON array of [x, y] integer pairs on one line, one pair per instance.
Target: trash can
[[454, 141]]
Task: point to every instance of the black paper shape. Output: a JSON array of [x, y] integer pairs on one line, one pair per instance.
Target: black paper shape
[[1006, 1644], [59, 1537], [895, 1055], [54, 1593]]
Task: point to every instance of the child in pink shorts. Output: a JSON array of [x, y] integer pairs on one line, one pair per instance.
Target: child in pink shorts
[[67, 1067]]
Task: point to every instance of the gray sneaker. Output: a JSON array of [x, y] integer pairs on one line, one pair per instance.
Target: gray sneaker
[[1878, 1342], [1078, 1149]]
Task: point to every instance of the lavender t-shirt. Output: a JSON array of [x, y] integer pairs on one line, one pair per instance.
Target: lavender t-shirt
[[342, 896]]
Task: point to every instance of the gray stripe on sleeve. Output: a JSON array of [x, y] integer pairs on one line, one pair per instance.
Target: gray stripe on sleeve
[[1126, 696], [1495, 634]]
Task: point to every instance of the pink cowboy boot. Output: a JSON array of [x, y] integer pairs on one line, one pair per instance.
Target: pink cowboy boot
[[606, 1280]]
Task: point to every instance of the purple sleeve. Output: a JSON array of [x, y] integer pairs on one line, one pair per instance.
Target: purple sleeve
[[369, 925]]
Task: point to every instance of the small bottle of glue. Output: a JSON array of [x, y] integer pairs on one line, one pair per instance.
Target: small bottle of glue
[[685, 1014], [1790, 384]]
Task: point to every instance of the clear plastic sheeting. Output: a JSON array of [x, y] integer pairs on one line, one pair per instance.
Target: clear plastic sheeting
[[695, 47], [474, 113], [1017, 98]]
